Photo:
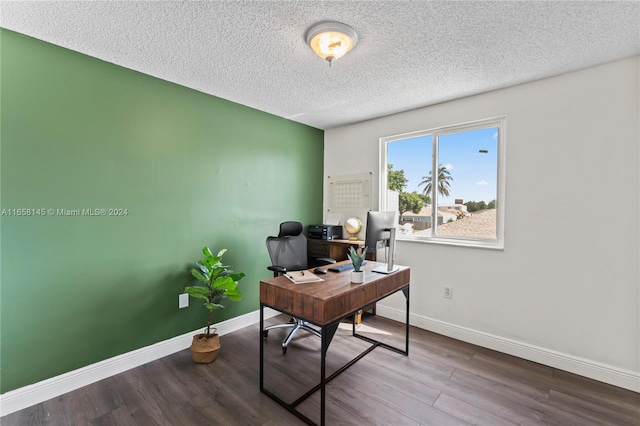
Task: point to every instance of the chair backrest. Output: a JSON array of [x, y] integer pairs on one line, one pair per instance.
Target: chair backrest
[[289, 248]]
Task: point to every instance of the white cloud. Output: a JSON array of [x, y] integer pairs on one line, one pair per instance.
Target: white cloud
[[448, 166], [482, 183]]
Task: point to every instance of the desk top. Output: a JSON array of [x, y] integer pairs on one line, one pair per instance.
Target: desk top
[[326, 301]]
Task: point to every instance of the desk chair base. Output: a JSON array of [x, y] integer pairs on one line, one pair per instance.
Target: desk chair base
[[296, 325]]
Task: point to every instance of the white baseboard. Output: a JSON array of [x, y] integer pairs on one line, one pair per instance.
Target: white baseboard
[[36, 393], [604, 373]]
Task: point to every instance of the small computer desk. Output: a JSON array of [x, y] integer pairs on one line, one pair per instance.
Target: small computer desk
[[325, 304]]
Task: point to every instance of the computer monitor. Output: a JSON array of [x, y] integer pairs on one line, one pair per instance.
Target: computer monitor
[[381, 226]]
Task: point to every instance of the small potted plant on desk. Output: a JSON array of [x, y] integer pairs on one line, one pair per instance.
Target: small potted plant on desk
[[357, 276], [218, 282]]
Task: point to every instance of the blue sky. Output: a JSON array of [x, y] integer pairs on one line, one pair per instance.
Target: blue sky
[[474, 173]]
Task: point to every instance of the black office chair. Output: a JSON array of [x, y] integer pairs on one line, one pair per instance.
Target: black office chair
[[288, 252]]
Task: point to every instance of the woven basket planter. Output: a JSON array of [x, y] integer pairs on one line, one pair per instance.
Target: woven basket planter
[[204, 349]]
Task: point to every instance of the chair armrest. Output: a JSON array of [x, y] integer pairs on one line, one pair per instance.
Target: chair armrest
[[325, 260], [277, 269]]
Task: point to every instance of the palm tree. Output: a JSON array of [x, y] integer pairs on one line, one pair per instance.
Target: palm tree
[[444, 182]]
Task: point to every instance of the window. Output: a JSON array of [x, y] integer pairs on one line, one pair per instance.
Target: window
[[447, 183]]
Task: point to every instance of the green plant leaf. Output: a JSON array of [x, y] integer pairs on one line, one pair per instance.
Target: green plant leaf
[[193, 292], [199, 296], [225, 283], [203, 269], [234, 295], [221, 252], [356, 259], [237, 276], [198, 275], [207, 252], [216, 296], [212, 306], [218, 271], [209, 262]]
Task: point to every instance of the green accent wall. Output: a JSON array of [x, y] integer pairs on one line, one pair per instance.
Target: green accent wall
[[189, 168]]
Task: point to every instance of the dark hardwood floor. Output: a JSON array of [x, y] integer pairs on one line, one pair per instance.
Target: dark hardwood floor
[[442, 382]]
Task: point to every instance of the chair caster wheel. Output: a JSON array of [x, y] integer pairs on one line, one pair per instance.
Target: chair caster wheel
[[284, 350], [265, 333]]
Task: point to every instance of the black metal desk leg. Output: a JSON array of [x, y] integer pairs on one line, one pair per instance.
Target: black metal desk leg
[[261, 348], [323, 376], [406, 293]]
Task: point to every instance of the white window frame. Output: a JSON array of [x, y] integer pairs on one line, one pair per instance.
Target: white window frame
[[433, 238]]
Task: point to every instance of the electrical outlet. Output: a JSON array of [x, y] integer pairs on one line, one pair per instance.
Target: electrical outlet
[[448, 292], [183, 301]]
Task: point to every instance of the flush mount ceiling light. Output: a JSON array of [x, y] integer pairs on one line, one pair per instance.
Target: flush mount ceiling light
[[331, 40]]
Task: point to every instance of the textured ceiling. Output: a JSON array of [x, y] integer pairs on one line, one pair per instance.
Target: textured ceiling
[[409, 54]]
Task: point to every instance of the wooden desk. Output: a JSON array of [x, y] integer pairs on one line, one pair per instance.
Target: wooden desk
[[325, 304]]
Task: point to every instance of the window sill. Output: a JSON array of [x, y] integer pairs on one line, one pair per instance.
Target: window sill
[[481, 244]]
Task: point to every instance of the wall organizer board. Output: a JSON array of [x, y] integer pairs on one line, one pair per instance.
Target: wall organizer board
[[349, 192]]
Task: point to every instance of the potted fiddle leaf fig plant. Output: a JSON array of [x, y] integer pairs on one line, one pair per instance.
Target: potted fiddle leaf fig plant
[[217, 282], [357, 259]]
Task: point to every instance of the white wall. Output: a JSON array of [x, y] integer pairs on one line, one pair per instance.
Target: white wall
[[565, 290]]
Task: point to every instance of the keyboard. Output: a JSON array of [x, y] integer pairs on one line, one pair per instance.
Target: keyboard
[[342, 268]]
